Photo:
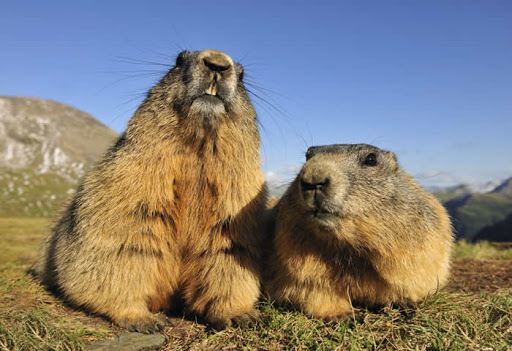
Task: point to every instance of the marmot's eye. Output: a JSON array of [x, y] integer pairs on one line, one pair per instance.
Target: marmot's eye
[[181, 58], [370, 160]]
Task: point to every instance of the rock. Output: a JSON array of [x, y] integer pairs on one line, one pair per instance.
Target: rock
[[130, 342]]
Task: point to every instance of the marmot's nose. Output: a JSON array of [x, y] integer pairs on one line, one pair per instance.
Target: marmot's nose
[[216, 60], [319, 184]]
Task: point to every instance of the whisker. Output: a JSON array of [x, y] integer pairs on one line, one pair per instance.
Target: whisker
[[122, 59]]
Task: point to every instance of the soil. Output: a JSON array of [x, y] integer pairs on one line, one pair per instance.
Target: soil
[[473, 276]]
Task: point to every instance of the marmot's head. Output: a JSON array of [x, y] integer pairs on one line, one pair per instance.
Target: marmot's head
[[204, 88], [339, 181]]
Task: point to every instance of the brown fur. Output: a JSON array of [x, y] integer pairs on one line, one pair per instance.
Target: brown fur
[[348, 232], [172, 209]]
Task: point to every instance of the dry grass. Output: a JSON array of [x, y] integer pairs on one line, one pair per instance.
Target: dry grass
[[32, 319]]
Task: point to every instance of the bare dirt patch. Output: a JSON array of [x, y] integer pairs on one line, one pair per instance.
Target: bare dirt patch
[[472, 276]]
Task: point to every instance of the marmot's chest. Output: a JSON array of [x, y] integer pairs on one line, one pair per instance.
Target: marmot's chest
[[205, 193]]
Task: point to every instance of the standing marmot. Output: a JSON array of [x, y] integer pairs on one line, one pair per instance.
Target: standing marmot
[[354, 226], [172, 209]]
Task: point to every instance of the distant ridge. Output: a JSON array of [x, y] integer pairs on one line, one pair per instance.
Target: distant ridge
[[480, 216], [504, 188]]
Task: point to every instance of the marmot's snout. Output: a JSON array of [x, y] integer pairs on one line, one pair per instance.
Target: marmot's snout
[[320, 186], [211, 77], [217, 67], [313, 188]]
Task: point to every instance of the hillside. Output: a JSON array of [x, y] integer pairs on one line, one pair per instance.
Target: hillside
[[45, 148], [472, 212]]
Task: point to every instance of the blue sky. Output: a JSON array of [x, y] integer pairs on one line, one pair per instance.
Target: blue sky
[[430, 80]]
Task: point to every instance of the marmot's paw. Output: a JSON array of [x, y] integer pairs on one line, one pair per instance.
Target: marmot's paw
[[401, 305], [244, 320], [247, 320], [335, 319], [152, 323]]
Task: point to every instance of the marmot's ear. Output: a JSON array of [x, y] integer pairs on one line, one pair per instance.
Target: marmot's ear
[[393, 162]]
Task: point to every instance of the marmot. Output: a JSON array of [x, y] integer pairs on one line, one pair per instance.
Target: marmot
[[173, 209], [355, 227]]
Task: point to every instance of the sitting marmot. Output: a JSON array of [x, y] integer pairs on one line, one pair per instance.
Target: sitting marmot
[[172, 210], [355, 227]]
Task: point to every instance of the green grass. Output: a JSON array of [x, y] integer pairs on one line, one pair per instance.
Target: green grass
[[481, 250], [33, 319]]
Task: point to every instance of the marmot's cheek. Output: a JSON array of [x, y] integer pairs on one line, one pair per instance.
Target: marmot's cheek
[[336, 199]]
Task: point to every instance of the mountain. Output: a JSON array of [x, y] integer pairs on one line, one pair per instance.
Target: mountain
[[45, 148], [485, 187], [449, 193], [472, 212], [276, 190]]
